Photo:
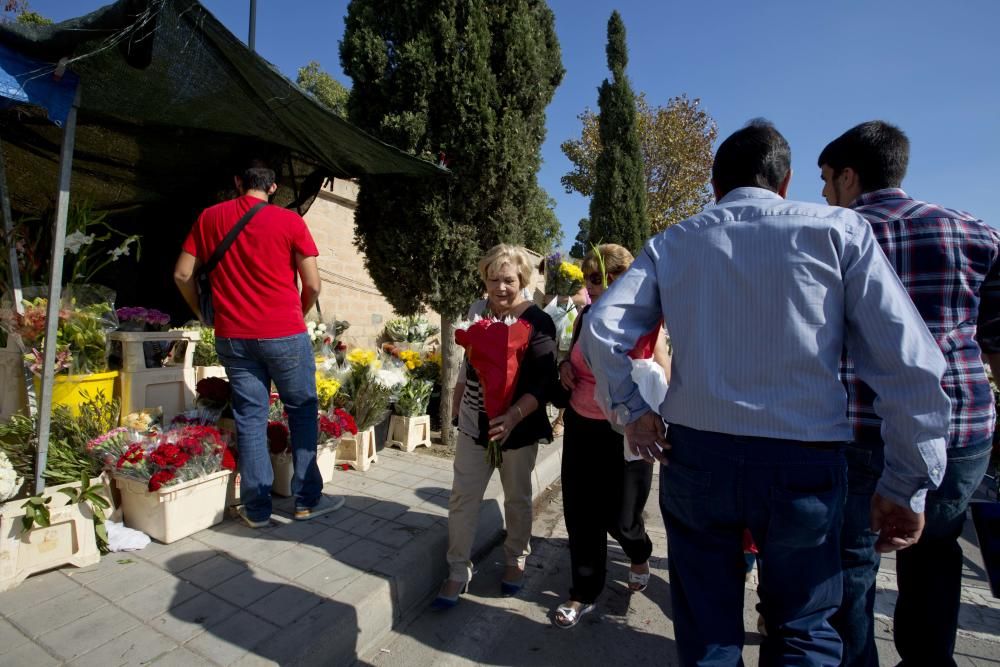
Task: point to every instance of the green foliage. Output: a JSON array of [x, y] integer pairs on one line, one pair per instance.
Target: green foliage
[[93, 495], [362, 395], [410, 329], [22, 13], [582, 240], [618, 206], [465, 82], [328, 91], [36, 511], [17, 440], [413, 398], [68, 459], [676, 141], [204, 350]]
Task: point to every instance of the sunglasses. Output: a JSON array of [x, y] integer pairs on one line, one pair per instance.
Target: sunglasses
[[595, 278]]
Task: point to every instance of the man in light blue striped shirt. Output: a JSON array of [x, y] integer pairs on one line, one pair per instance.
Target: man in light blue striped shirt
[[761, 295]]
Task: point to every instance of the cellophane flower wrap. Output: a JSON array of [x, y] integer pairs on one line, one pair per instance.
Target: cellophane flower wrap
[[495, 349], [178, 455], [562, 278]]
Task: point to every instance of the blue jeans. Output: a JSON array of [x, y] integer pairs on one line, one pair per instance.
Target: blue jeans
[[252, 364], [930, 572], [790, 496], [855, 620]]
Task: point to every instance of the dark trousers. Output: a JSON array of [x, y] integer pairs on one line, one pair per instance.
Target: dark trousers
[[929, 573], [855, 620], [790, 496], [602, 494]]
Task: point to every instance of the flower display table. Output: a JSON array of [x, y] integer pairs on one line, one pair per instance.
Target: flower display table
[[408, 433], [171, 387]]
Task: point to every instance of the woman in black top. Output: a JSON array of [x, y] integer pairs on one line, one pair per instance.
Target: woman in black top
[[506, 270]]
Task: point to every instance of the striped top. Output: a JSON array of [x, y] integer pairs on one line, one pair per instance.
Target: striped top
[[760, 295]]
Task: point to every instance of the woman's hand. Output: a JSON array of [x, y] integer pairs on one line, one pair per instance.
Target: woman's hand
[[566, 376], [502, 426]]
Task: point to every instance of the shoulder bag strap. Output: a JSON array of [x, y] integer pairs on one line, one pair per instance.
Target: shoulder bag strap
[[221, 249]]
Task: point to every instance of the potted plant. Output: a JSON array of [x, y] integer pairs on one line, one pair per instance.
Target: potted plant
[[172, 484], [81, 348], [410, 426], [367, 399], [333, 425], [206, 359]]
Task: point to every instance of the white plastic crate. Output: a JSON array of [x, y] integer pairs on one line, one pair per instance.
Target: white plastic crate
[[134, 358], [174, 512], [172, 389], [67, 540], [326, 459]]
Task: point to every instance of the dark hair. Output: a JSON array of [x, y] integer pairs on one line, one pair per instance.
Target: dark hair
[[256, 175], [755, 156], [877, 151]]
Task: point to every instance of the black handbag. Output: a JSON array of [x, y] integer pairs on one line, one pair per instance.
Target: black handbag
[[202, 281]]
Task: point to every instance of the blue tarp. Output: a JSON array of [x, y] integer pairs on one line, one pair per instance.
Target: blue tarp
[[27, 81]]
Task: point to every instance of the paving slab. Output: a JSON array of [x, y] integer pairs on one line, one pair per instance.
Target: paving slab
[[302, 593]]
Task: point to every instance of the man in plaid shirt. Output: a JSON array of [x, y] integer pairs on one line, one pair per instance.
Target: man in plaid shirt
[[948, 262]]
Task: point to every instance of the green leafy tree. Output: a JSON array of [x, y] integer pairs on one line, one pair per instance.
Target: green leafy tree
[[328, 91], [618, 204], [676, 141], [20, 11], [465, 82], [581, 244]]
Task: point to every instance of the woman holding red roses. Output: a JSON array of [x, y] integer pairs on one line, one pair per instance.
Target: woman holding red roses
[[506, 270], [602, 492]]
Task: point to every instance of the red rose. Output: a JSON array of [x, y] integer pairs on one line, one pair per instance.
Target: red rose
[[159, 479], [277, 437]]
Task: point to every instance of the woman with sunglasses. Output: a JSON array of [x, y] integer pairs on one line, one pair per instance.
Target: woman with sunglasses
[[602, 492]]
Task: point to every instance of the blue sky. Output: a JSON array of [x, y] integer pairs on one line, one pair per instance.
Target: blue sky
[[813, 68]]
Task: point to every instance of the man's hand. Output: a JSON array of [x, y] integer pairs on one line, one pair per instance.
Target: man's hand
[[898, 527], [647, 437]]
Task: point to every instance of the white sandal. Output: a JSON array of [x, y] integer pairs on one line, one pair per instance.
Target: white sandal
[[637, 581], [571, 614]]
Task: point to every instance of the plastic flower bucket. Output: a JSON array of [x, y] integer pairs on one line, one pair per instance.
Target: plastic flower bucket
[[70, 390]]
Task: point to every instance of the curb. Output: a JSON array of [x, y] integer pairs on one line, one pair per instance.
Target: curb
[[397, 590]]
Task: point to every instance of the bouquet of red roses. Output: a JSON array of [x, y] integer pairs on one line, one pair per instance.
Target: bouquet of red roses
[[334, 424], [495, 349]]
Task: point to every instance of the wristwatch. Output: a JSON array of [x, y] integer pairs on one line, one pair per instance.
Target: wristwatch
[[622, 414]]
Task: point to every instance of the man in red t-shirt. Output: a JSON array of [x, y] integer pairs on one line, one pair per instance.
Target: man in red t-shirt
[[260, 335]]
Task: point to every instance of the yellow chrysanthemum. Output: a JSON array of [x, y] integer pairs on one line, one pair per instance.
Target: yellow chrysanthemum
[[571, 271], [326, 389], [360, 357]]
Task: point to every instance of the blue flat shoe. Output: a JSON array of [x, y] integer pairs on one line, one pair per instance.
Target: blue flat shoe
[[443, 602], [510, 589]]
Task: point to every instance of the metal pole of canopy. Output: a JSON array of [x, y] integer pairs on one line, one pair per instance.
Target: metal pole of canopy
[[253, 25], [8, 228], [55, 293]]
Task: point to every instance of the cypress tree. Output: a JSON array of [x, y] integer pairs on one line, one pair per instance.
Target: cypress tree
[[465, 82], [618, 206]]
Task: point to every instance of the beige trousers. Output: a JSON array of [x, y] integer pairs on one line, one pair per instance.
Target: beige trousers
[[472, 474]]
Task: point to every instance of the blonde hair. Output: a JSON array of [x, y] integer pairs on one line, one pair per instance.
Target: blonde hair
[[616, 259], [502, 254]]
